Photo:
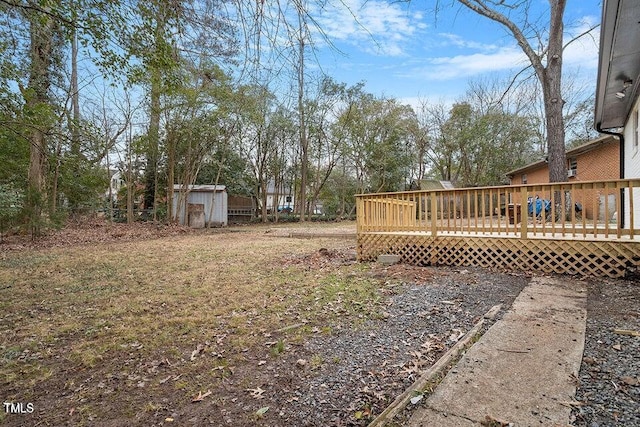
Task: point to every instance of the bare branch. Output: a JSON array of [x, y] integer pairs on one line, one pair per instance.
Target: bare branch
[[481, 7], [579, 36]]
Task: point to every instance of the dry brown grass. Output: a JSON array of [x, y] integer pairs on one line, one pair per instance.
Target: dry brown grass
[[110, 328]]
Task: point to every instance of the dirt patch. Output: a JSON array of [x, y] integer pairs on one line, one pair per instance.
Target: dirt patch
[[93, 232], [322, 258]]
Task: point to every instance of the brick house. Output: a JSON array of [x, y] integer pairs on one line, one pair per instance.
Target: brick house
[[593, 161]]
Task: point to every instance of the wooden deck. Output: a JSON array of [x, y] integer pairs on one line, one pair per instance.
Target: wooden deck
[[500, 227]]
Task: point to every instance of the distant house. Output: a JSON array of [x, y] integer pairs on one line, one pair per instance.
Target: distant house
[[616, 106], [200, 205], [596, 160], [279, 198], [116, 182]]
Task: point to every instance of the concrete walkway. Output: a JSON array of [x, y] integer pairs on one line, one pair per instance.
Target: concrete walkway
[[523, 370]]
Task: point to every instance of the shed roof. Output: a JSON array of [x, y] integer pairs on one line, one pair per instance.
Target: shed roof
[[435, 184], [203, 188]]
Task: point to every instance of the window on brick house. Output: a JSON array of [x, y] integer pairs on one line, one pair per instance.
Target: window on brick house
[[524, 178], [573, 164]]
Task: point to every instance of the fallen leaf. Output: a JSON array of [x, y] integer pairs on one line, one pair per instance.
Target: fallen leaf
[[169, 419], [201, 396], [629, 380], [490, 421], [617, 347], [379, 395], [415, 354], [256, 392], [196, 352], [456, 335], [260, 412]]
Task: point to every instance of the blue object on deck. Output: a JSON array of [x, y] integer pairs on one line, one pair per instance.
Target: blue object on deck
[[537, 205]]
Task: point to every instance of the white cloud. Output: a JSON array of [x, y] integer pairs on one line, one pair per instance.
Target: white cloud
[[458, 41], [468, 65], [375, 26], [476, 58], [582, 52]]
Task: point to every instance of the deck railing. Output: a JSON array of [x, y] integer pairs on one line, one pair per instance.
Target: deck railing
[[587, 209]]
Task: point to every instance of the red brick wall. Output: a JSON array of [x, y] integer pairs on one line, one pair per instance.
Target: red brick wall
[[600, 163], [536, 176]]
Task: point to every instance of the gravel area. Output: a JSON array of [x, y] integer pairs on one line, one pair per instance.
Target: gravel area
[[350, 375], [609, 390]]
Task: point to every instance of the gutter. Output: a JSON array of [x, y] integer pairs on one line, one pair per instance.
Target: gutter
[[621, 137]]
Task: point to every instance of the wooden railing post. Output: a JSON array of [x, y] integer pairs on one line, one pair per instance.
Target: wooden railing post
[[434, 214], [359, 214], [523, 212]]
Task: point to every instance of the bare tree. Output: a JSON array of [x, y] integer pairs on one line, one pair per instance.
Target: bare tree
[[111, 116], [545, 59]]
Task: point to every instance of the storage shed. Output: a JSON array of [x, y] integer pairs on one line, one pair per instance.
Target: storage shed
[[200, 205]]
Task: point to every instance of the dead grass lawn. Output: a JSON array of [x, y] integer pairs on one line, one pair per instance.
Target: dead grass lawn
[[128, 332]]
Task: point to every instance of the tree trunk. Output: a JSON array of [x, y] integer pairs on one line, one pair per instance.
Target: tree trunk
[[75, 125], [304, 142], [171, 169], [151, 171], [154, 142], [56, 178], [130, 182], [41, 28], [263, 200], [553, 102]]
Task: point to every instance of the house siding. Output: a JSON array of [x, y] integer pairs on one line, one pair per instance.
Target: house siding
[[536, 176], [631, 167]]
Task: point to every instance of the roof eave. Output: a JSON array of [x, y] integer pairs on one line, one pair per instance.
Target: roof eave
[[607, 31]]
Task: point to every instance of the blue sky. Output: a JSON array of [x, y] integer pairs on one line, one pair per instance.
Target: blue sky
[[401, 50]]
